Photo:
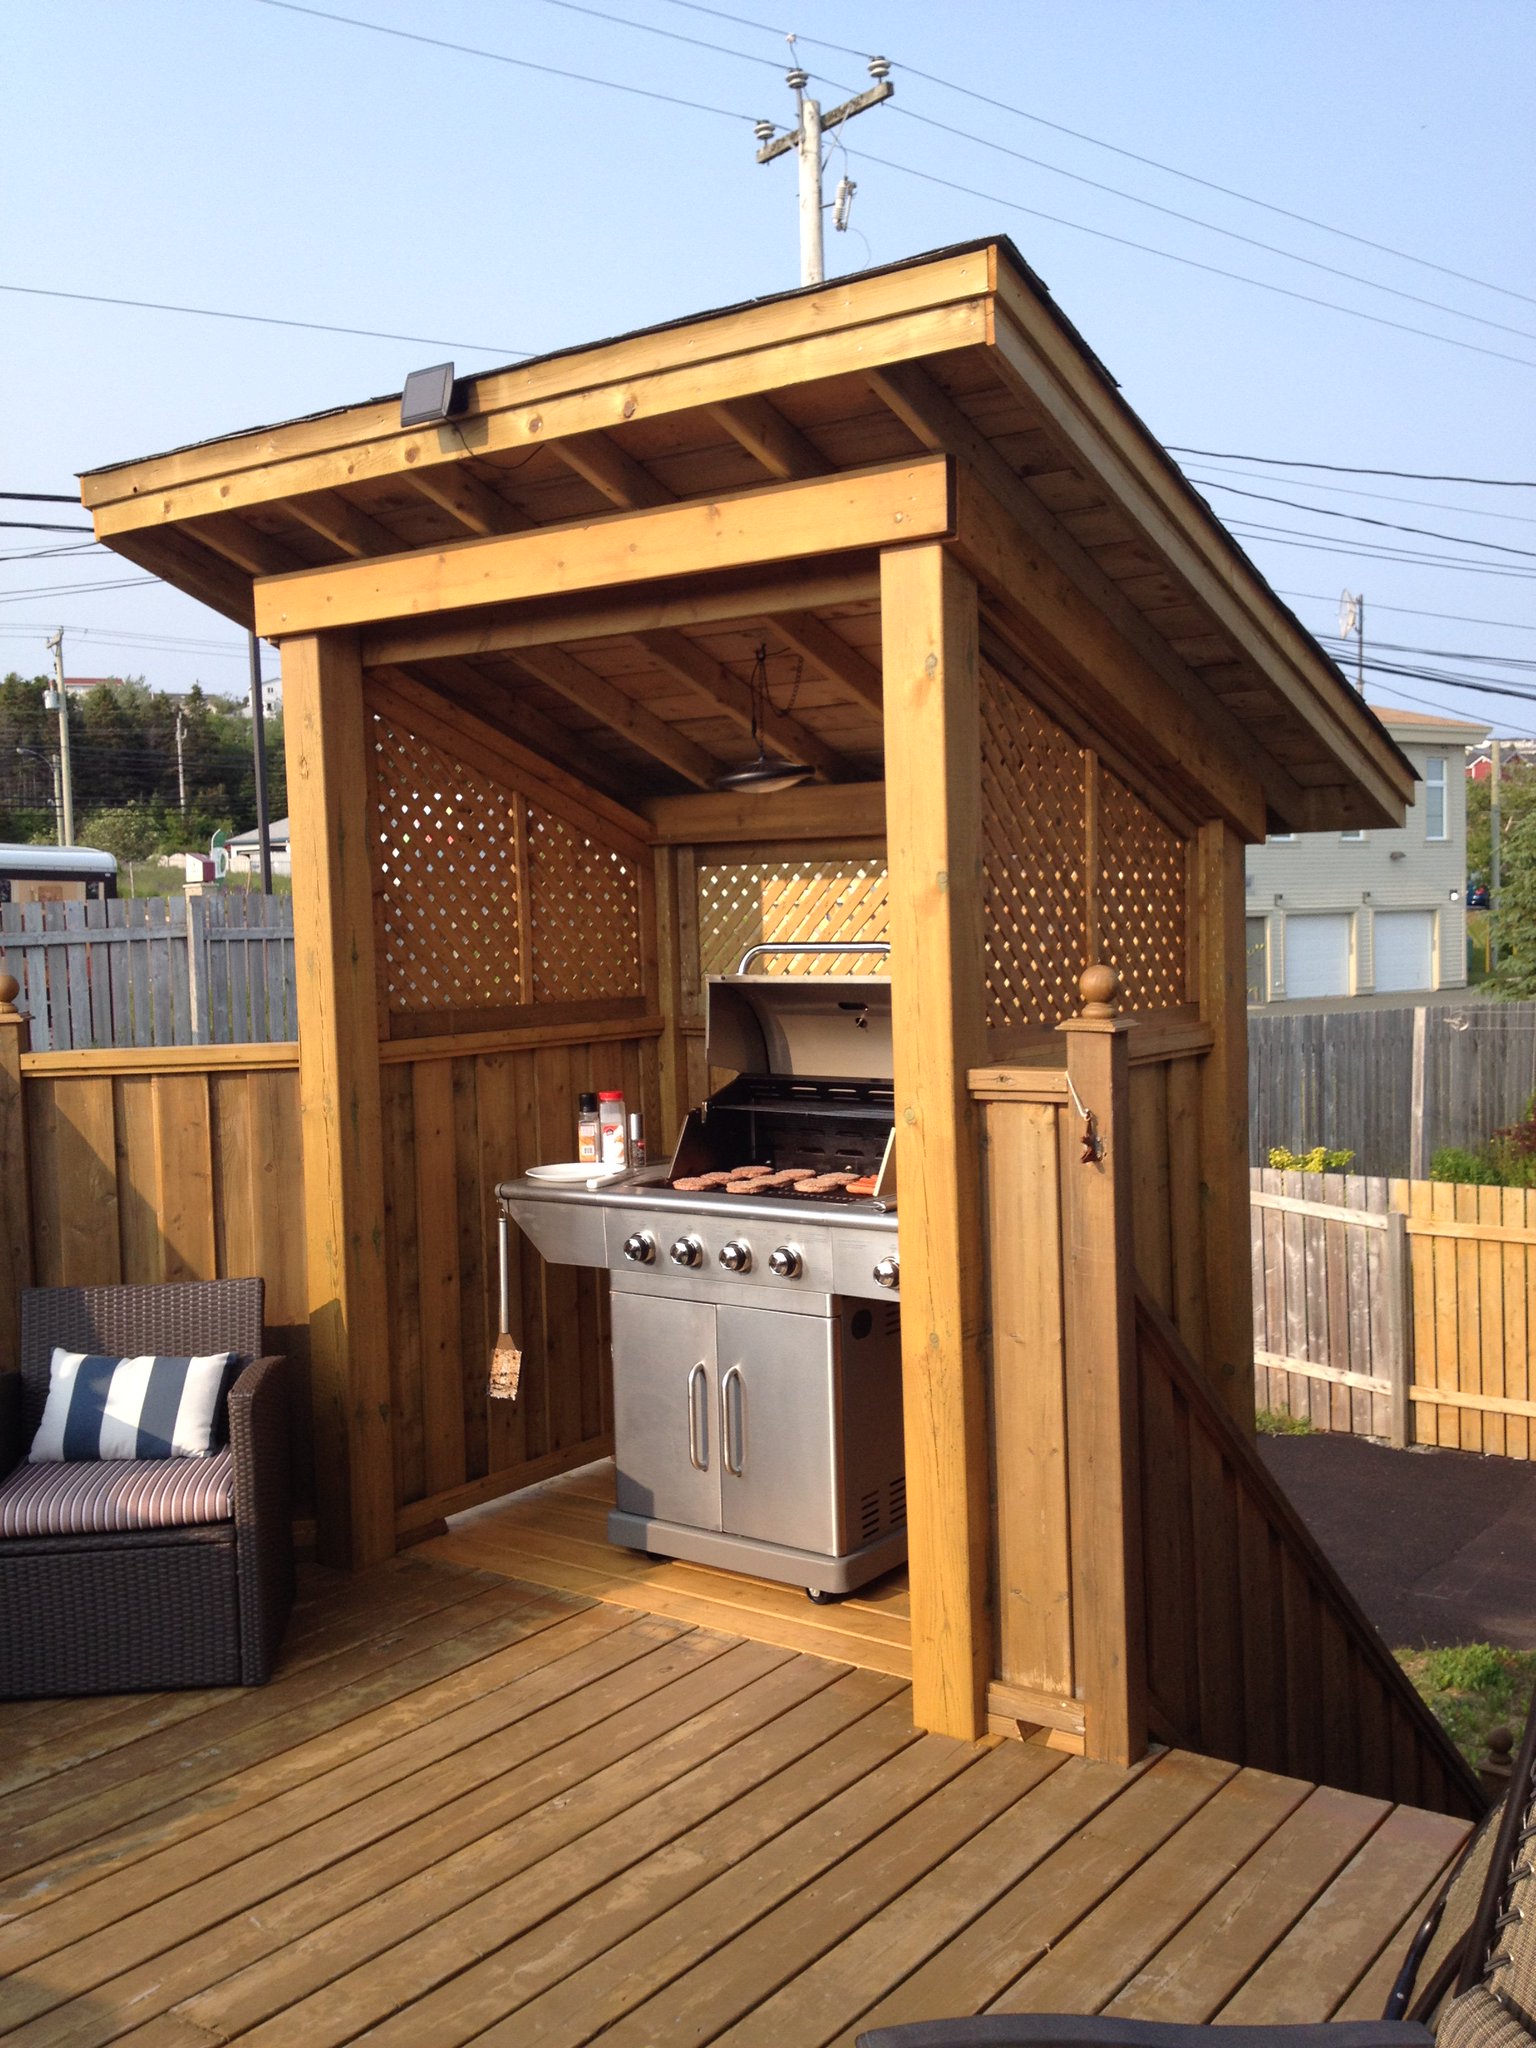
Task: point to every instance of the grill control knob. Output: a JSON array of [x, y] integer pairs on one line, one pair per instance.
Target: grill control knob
[[687, 1252], [786, 1262], [736, 1257], [888, 1271], [640, 1249]]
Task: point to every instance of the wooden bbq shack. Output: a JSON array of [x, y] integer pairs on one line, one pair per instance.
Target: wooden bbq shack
[[903, 530]]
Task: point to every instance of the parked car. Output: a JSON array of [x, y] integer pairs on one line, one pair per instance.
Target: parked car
[[1477, 895]]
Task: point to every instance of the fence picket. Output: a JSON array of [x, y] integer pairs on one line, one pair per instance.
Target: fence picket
[[100, 974]]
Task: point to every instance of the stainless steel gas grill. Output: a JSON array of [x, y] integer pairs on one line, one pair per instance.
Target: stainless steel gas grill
[[756, 1282]]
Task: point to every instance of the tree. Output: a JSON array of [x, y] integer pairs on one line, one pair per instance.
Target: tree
[[1515, 977], [1517, 797]]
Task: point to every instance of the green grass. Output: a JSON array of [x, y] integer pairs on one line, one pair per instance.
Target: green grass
[[1471, 1689], [1276, 1422]]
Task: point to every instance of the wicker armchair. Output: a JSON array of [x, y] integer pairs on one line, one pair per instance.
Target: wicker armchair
[[1468, 1979], [136, 1608]]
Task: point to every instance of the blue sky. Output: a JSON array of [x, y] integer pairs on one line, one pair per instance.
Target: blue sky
[[237, 155]]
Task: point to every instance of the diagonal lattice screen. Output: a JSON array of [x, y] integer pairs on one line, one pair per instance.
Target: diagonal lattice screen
[[819, 897], [1034, 842], [483, 899], [1141, 899]]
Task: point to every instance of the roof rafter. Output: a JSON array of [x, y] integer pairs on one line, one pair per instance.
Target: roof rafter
[[343, 524], [585, 688], [760, 428], [728, 693]]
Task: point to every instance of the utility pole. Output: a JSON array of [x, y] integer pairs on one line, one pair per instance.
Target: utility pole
[[806, 142], [259, 743], [58, 700], [1495, 863], [181, 765]]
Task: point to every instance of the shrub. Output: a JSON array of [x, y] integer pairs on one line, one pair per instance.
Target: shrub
[[1276, 1422], [1319, 1160]]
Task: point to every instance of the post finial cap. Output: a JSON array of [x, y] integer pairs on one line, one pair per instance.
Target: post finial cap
[[1098, 986]]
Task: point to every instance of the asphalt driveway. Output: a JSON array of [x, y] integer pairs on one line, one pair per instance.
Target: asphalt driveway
[[1438, 1547]]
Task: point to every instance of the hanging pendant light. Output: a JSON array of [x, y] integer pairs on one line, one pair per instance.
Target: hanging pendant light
[[764, 774]]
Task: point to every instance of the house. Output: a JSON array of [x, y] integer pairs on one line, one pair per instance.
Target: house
[[243, 853], [1369, 911]]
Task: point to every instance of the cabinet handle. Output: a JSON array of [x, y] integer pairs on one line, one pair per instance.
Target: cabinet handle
[[733, 1441], [699, 1464]]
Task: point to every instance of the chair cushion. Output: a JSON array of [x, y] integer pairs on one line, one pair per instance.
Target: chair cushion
[[80, 1499], [145, 1407]]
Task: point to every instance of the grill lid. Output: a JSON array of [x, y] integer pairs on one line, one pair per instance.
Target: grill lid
[[834, 1026]]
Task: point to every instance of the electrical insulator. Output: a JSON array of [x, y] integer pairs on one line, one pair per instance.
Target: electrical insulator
[[880, 68], [842, 205]]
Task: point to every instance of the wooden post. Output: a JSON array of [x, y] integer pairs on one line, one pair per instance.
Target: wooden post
[[1103, 1439], [325, 737], [1418, 1150], [1397, 1292], [932, 756], [1223, 997], [15, 1178], [197, 964], [672, 1052]]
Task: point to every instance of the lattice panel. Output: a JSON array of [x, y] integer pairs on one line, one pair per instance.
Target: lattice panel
[[1034, 835], [445, 856], [1141, 899], [744, 903], [585, 914]]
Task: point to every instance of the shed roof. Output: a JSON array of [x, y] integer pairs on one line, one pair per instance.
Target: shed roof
[[960, 354]]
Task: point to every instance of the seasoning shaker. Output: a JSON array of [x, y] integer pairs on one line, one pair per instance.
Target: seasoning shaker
[[636, 1137], [612, 1149], [588, 1130]]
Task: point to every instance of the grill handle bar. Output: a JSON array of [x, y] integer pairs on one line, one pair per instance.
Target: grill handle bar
[[810, 946]]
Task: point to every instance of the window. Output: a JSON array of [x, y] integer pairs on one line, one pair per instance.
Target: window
[[1351, 835], [1278, 838], [1434, 797]]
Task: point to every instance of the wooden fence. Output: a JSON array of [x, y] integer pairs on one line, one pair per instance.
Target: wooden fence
[[1392, 1086], [154, 970], [1396, 1308]]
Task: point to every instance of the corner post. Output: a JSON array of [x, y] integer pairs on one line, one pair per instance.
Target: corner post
[[325, 736], [1103, 1406], [16, 1207], [929, 624], [1224, 1207]]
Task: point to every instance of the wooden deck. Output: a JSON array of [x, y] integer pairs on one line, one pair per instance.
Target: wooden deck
[[469, 1809]]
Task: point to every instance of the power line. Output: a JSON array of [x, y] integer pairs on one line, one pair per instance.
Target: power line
[[43, 497], [33, 291], [76, 589], [500, 57], [45, 526], [1416, 611], [1306, 483], [1369, 551], [1363, 518], [1133, 156], [1283, 291], [1415, 476]]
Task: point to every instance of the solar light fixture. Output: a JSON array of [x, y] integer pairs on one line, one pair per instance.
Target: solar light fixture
[[429, 395]]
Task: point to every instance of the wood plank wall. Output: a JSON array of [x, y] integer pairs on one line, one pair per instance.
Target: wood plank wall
[[142, 1172], [455, 1125]]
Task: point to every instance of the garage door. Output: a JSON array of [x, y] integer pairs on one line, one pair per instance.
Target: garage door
[[1317, 956], [1404, 949]]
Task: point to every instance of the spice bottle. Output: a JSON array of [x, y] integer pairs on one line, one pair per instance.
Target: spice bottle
[[588, 1129], [612, 1149], [636, 1138]]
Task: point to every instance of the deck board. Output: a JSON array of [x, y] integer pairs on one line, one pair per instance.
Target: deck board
[[471, 1808]]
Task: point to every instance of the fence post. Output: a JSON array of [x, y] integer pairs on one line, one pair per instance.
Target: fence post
[[1418, 1149], [1397, 1287], [15, 1189], [197, 966], [1099, 1322]]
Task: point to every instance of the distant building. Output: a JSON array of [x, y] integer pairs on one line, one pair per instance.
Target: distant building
[[243, 855], [1367, 913]]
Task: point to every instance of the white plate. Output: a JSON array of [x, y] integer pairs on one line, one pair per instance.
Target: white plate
[[575, 1172]]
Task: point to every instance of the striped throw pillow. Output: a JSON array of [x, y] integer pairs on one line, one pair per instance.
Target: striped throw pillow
[[146, 1407]]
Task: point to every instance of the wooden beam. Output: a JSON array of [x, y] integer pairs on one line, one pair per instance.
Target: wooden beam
[[456, 489], [843, 514], [257, 553], [729, 694], [16, 1268], [753, 595], [187, 565], [1054, 624], [919, 310], [325, 734], [581, 685], [760, 428], [932, 756], [607, 468], [828, 651], [812, 810], [1220, 965], [1103, 1435], [505, 707], [343, 524], [931, 415]]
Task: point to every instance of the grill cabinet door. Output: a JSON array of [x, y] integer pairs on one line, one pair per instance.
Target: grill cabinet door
[[665, 1412], [778, 1428]]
